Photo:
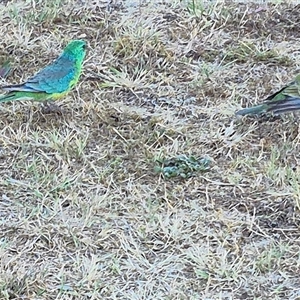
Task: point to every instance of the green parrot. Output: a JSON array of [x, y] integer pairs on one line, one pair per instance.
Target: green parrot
[[52, 82], [285, 100]]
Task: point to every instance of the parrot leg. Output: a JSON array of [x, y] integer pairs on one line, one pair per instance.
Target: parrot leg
[[49, 107]]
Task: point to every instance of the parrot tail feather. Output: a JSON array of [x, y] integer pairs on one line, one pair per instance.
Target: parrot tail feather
[[286, 105], [255, 110], [7, 98], [276, 107]]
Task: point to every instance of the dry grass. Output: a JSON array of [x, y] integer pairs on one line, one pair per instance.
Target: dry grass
[[84, 215]]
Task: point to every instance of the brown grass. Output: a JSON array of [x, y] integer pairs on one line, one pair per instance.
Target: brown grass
[[84, 215]]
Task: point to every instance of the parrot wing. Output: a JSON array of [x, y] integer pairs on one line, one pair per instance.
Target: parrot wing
[[55, 78], [290, 90]]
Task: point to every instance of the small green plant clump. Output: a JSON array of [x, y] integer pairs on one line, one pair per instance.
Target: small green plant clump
[[181, 166]]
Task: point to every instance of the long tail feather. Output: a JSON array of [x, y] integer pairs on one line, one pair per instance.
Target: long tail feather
[[287, 105], [8, 97], [276, 107], [23, 96], [255, 110]]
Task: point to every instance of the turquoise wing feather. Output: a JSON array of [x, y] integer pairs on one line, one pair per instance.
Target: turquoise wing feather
[[55, 78]]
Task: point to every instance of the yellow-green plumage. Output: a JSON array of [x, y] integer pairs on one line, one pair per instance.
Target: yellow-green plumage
[[52, 82]]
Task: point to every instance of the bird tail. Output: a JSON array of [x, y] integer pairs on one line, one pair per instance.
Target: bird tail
[[287, 105], [8, 97], [255, 110], [22, 96], [277, 107]]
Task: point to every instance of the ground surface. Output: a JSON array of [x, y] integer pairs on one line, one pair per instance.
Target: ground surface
[[83, 214]]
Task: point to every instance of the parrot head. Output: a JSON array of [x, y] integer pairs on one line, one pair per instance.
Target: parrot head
[[76, 48]]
